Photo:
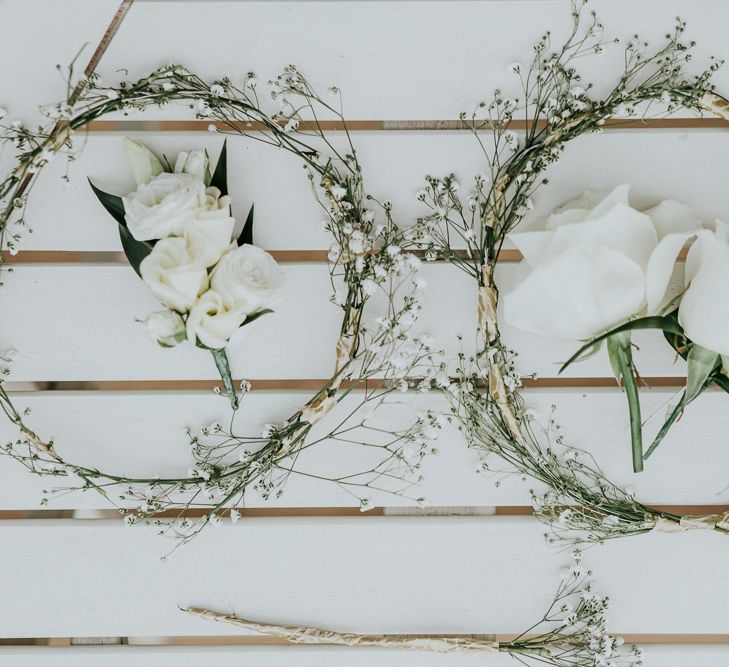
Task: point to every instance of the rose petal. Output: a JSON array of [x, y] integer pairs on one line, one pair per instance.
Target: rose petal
[[671, 216], [618, 196], [531, 245], [212, 322], [575, 210], [577, 294], [620, 227], [702, 250], [704, 310], [660, 269]]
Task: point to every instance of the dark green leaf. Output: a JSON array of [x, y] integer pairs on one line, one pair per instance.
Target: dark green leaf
[[220, 175], [256, 315], [665, 323], [134, 250], [113, 204], [670, 420], [246, 236]]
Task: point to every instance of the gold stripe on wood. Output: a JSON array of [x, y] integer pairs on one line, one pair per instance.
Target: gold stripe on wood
[[389, 125], [118, 257], [304, 384], [267, 640]]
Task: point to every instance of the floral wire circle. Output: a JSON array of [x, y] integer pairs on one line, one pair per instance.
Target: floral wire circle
[[367, 257]]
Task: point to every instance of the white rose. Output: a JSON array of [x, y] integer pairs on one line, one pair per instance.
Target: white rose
[[194, 163], [704, 309], [598, 263], [175, 276], [166, 327], [163, 206], [210, 229], [213, 321], [249, 278]]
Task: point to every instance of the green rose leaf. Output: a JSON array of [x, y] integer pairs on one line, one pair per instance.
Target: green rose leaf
[[665, 323], [134, 250], [220, 174], [246, 236]]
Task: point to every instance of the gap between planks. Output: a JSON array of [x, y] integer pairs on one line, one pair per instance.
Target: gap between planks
[[284, 256], [309, 384], [268, 640], [486, 511], [391, 125]]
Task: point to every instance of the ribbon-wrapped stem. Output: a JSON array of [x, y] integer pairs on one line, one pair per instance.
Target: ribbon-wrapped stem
[[687, 522], [488, 325], [307, 635]]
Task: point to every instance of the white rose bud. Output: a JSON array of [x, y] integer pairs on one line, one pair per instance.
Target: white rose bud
[[194, 163], [144, 163], [164, 206], [248, 278], [166, 327], [173, 274], [598, 263], [212, 321]]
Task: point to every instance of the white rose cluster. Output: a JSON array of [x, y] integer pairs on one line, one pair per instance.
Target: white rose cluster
[[210, 285]]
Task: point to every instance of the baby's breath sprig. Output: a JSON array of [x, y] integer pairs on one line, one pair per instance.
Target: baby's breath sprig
[[582, 505], [370, 255]]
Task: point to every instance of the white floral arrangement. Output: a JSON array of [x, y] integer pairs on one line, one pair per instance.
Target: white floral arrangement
[[580, 504], [179, 235], [177, 230]]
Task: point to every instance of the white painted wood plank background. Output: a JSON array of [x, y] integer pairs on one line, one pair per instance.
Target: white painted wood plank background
[[229, 656], [396, 60], [687, 165], [142, 434], [400, 575], [78, 322], [393, 60]]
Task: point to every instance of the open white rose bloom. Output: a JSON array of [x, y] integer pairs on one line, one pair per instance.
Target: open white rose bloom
[[597, 263]]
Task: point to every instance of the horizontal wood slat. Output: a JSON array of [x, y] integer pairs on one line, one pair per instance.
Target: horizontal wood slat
[[231, 656], [388, 64], [488, 575], [142, 434], [78, 324], [659, 164]]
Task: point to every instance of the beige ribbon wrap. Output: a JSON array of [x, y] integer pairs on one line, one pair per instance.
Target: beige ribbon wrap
[[489, 328], [496, 201], [689, 522], [306, 635], [323, 403], [716, 104]]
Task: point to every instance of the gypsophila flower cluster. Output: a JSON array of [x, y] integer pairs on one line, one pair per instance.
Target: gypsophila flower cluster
[[370, 256], [573, 630]]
